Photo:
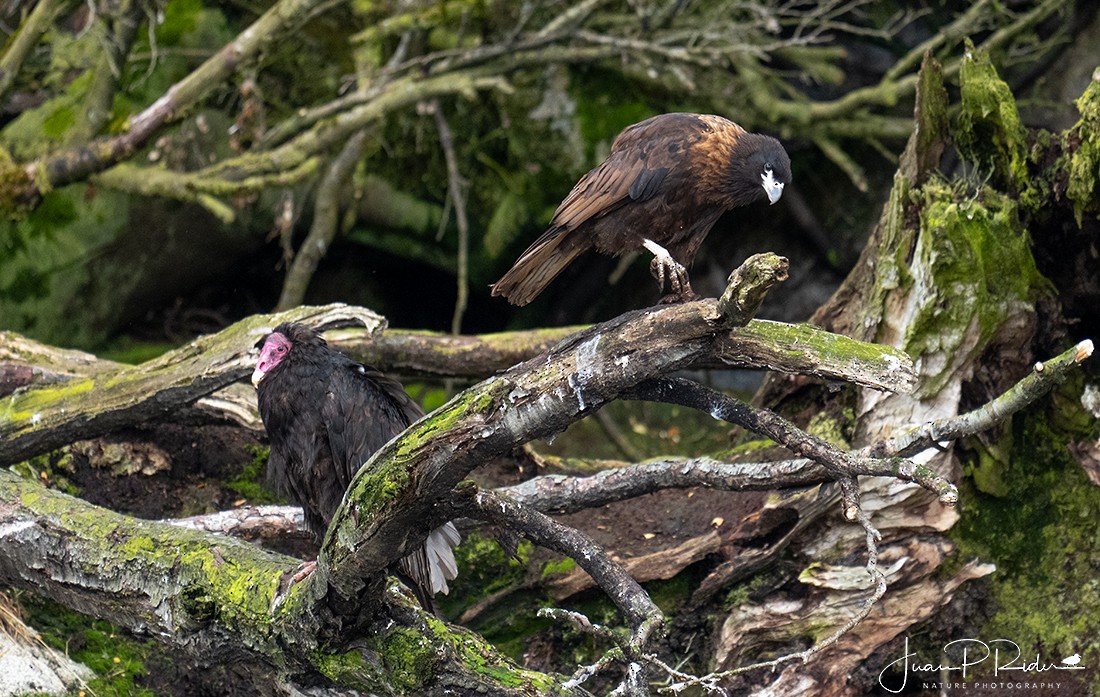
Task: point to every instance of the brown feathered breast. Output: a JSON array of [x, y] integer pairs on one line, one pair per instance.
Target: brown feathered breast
[[667, 179]]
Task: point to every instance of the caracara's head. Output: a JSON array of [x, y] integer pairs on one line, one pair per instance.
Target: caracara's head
[[759, 169], [279, 345]]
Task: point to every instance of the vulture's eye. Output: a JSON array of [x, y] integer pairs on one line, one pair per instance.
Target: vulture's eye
[[280, 349]]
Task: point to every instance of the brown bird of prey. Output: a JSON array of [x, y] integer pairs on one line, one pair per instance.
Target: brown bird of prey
[[663, 186]]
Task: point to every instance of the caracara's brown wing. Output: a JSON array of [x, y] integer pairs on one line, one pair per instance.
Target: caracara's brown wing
[[642, 158]]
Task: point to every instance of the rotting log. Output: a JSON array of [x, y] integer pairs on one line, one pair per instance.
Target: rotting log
[[212, 595]]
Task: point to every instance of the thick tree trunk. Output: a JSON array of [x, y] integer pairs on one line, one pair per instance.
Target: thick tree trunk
[[949, 277]]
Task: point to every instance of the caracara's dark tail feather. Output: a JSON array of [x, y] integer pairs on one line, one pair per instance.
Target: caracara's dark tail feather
[[539, 265]]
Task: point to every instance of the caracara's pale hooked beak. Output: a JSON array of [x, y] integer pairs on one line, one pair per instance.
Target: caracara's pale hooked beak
[[773, 188]]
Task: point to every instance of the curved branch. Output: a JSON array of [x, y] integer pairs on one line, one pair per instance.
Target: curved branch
[[1042, 379], [642, 615], [843, 466], [36, 24], [69, 166]]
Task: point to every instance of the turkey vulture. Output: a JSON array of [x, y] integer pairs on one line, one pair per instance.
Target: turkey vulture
[[663, 186], [326, 415]]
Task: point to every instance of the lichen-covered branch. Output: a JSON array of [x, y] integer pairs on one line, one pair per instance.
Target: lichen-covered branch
[[28, 34], [840, 464], [67, 166], [1041, 380], [39, 419], [212, 596], [641, 614], [532, 400]]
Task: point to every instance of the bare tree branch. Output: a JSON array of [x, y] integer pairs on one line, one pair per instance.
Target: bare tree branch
[[32, 29], [326, 223]]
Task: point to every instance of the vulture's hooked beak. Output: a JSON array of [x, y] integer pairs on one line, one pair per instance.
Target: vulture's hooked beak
[[257, 375]]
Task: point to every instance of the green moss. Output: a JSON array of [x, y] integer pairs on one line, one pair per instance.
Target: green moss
[[117, 660], [559, 566], [350, 669], [988, 130], [1084, 165], [830, 429], [132, 352], [967, 244], [231, 582], [249, 483], [484, 568], [988, 468], [50, 469], [408, 657], [26, 405], [670, 594], [748, 447], [1041, 535], [481, 658]]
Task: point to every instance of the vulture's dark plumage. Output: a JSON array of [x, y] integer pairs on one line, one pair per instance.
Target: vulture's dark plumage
[[663, 186], [326, 415]]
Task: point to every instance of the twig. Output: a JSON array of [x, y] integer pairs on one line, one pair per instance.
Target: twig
[[36, 24], [640, 612], [456, 187], [326, 223], [838, 463], [67, 166], [558, 494], [1042, 379]]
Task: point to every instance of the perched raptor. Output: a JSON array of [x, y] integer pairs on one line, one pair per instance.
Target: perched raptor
[[662, 187], [326, 415]]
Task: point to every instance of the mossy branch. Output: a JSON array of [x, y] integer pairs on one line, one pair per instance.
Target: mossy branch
[[212, 596], [42, 418], [29, 33], [72, 165]]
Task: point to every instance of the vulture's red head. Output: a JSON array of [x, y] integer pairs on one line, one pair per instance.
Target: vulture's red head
[[278, 345]]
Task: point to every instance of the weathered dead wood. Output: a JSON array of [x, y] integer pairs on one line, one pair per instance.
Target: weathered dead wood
[[393, 501], [212, 596], [77, 396], [40, 419], [434, 354]]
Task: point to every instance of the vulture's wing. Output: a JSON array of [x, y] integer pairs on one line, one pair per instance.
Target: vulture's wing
[[363, 410]]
